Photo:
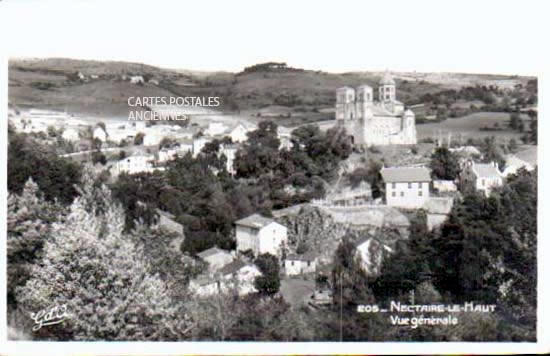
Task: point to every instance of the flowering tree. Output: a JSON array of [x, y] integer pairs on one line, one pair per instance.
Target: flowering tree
[[100, 274]]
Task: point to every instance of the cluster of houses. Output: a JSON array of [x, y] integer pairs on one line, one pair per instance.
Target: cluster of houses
[[190, 139], [405, 188]]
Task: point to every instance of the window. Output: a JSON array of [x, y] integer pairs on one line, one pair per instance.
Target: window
[[393, 194], [308, 263], [483, 182], [410, 185], [419, 193], [292, 263], [419, 185], [393, 185], [402, 194]]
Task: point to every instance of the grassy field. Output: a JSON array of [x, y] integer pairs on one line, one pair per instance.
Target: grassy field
[[469, 126]]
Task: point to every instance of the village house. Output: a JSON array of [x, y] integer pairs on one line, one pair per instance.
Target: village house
[[481, 176], [260, 235], [198, 144], [406, 187], [238, 276], [230, 152], [444, 186], [133, 164], [170, 153], [238, 133], [204, 285], [215, 128], [284, 134], [167, 223], [216, 258], [70, 134], [136, 79], [300, 264]]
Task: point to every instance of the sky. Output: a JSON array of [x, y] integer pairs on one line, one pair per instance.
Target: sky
[[336, 36]]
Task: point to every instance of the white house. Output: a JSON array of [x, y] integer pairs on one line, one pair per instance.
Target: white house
[[482, 176], [136, 79], [198, 144], [406, 187], [238, 133], [133, 164], [260, 235], [236, 276], [230, 151], [204, 285], [443, 186], [300, 264], [70, 134], [215, 128], [284, 134], [216, 258], [100, 134]]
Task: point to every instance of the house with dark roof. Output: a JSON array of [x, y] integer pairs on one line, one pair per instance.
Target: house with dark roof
[[235, 277], [482, 176], [406, 187], [216, 258], [300, 264], [239, 277], [260, 235]]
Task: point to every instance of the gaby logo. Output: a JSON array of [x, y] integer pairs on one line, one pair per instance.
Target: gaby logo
[[54, 315]]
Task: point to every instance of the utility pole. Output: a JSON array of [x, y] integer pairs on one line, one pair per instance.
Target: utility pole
[[341, 307]]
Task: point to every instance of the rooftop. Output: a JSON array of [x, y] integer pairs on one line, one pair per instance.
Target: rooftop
[[486, 170], [406, 174], [211, 252], [308, 256], [231, 267], [255, 221]]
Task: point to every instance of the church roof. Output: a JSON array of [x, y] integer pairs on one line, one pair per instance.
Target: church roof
[[405, 174], [387, 79]]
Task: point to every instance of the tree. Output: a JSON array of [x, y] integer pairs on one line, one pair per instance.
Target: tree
[[55, 176], [513, 145], [269, 282], [102, 277], [29, 222], [492, 152], [515, 121], [138, 140], [444, 164], [349, 280]]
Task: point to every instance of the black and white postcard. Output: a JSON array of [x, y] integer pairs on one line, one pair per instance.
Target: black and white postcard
[[275, 177]]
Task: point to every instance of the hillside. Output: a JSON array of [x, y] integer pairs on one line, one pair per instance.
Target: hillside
[[104, 87]]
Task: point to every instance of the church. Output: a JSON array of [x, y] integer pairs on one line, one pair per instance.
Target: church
[[369, 122]]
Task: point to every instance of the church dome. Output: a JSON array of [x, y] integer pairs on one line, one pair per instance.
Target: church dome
[[387, 79]]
